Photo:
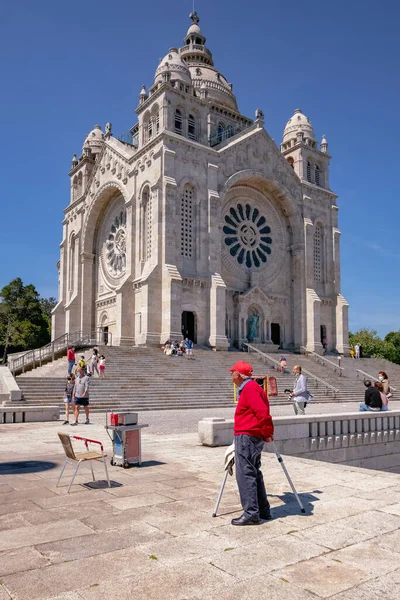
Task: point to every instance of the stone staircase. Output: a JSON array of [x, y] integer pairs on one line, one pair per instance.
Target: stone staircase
[[145, 379]]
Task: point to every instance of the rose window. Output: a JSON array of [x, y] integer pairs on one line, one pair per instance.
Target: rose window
[[115, 246], [247, 235]]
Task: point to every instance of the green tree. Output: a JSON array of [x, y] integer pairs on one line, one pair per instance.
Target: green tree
[[374, 346], [47, 305], [22, 322]]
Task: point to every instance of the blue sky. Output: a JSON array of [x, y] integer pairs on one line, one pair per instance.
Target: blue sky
[[67, 66]]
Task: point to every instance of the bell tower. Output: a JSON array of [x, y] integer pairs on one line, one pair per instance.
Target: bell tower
[[300, 148]]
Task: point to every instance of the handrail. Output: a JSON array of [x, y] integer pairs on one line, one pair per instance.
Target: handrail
[[328, 386], [364, 374], [322, 360], [35, 357]]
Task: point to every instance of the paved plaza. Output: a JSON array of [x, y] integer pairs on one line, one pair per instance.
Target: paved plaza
[[152, 535]]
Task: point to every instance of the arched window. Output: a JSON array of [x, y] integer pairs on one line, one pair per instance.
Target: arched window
[[157, 122], [146, 225], [71, 266], [178, 121], [317, 175], [191, 128], [291, 161], [187, 224], [150, 129], [147, 128], [74, 188], [318, 254], [221, 131], [79, 189], [309, 171]]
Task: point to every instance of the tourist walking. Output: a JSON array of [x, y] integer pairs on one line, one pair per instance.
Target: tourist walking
[[69, 388], [352, 353], [252, 428], [82, 364], [71, 359], [357, 350], [189, 348], [80, 395], [102, 366], [300, 395], [94, 360], [372, 398]]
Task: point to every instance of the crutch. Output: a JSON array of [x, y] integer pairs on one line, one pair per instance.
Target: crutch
[[229, 462], [280, 460]]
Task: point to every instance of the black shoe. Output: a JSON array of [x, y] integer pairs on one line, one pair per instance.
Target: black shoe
[[66, 423], [265, 516], [245, 521]]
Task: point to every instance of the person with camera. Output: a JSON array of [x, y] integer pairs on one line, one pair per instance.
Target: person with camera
[[252, 428], [300, 395]]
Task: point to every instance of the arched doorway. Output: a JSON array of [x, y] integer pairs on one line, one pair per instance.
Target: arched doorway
[[189, 326], [276, 333]]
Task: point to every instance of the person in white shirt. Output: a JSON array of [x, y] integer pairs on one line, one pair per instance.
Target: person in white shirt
[[300, 394]]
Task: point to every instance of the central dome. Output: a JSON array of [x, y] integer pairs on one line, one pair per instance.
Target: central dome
[[218, 88], [175, 67]]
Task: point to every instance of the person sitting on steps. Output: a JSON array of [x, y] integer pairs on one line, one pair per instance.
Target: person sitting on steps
[[373, 400]]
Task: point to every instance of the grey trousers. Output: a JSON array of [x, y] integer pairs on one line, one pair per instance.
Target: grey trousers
[[253, 496], [299, 407]]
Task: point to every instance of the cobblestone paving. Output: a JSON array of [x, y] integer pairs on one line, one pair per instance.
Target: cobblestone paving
[[151, 535]]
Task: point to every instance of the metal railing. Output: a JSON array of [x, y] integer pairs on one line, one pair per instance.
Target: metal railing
[[38, 356], [321, 360], [219, 136], [329, 389], [364, 375]]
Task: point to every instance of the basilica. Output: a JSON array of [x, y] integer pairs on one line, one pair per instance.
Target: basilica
[[196, 223]]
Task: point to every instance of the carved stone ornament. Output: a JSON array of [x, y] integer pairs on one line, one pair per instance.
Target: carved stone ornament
[[115, 246]]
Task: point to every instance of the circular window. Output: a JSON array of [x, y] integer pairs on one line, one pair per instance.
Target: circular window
[[247, 235], [115, 245]]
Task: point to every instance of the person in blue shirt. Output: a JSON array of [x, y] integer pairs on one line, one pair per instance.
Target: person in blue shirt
[[189, 348]]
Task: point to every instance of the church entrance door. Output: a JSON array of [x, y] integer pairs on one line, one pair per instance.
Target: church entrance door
[[189, 326], [275, 333]]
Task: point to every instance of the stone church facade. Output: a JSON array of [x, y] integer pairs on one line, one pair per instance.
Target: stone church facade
[[199, 225]]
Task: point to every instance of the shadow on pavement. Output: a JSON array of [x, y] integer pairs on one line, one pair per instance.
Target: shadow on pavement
[[101, 484], [26, 466], [290, 505]]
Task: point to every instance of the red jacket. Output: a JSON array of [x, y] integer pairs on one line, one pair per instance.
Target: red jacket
[[252, 415], [70, 354]]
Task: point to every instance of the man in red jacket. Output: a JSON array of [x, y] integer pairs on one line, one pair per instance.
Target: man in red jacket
[[252, 427], [71, 359]]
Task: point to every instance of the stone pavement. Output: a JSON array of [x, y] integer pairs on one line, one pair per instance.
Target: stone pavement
[[152, 535]]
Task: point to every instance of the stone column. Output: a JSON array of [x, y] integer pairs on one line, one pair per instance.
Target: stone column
[[125, 316], [342, 325], [298, 301], [87, 323], [218, 337], [313, 322]]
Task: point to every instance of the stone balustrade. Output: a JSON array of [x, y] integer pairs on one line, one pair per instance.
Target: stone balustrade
[[28, 414], [362, 439]]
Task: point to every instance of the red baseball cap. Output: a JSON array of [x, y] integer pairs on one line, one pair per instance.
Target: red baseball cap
[[242, 367]]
